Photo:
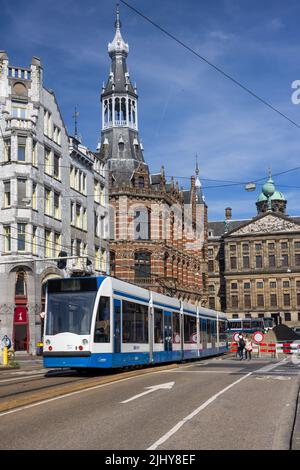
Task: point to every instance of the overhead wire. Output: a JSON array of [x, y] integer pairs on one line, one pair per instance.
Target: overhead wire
[[215, 67]]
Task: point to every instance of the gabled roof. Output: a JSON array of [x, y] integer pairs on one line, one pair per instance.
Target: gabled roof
[[268, 222]]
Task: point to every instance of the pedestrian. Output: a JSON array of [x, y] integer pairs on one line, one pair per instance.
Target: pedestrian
[[241, 345], [248, 348]]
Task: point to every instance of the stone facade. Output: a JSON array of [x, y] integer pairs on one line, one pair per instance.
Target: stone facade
[[254, 267], [36, 197]]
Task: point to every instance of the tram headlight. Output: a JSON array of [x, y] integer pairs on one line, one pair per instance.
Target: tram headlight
[[48, 342], [84, 342]]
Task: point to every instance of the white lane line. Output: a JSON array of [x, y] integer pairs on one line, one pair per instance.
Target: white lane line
[[21, 378], [265, 369], [205, 372], [172, 431]]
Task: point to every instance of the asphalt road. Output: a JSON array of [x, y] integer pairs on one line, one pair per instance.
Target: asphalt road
[[219, 403]]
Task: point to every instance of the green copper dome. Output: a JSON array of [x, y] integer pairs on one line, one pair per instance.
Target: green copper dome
[[268, 188], [278, 196], [270, 199], [262, 198]]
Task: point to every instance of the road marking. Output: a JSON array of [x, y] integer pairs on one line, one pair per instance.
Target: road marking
[[166, 386], [77, 392], [21, 378], [172, 431], [205, 371], [270, 367], [28, 372]]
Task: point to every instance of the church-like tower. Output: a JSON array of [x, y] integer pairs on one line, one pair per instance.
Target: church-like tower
[[120, 140], [158, 232]]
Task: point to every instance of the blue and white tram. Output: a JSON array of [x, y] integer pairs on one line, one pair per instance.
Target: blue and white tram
[[104, 322]]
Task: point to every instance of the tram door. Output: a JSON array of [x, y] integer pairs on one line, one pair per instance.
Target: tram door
[[117, 326], [168, 334]]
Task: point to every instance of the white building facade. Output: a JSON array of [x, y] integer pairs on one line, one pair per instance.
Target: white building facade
[[53, 200]]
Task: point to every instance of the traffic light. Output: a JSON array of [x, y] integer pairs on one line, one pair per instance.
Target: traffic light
[[62, 263]]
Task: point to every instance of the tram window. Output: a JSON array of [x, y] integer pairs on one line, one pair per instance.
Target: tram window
[[70, 312], [246, 324], [158, 326], [102, 325], [190, 329], [213, 329], [202, 331], [135, 323], [256, 324], [234, 325], [209, 331], [176, 328], [222, 330]]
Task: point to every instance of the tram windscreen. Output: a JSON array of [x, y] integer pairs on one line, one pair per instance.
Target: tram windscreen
[[70, 312]]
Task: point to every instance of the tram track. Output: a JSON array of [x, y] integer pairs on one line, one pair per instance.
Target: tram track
[[20, 386], [15, 398]]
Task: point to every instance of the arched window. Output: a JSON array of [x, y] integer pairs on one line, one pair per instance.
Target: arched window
[[133, 113], [123, 110], [142, 264], [117, 109], [141, 224], [20, 286], [130, 111], [110, 110], [105, 111]]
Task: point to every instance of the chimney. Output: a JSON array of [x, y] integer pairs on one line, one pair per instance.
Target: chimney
[[228, 213]]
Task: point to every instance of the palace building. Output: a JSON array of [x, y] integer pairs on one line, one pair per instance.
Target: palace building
[[158, 231], [254, 264]]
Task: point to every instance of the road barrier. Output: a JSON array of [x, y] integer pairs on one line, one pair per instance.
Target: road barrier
[[270, 348]]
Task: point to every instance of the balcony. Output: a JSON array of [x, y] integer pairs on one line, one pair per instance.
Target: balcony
[[20, 123], [119, 123], [17, 72]]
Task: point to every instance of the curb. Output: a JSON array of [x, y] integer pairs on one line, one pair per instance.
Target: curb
[[284, 428], [76, 387]]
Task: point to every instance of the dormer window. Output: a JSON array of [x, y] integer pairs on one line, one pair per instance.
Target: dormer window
[[141, 182]]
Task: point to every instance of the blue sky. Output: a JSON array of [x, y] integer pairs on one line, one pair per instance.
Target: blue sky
[[185, 107]]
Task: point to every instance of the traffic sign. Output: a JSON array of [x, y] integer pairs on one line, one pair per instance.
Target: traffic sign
[[235, 337], [258, 337]]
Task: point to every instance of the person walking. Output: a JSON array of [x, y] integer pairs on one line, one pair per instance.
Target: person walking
[[241, 346], [248, 348]]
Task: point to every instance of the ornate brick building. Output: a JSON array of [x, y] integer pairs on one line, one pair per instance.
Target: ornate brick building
[[158, 231], [254, 265]]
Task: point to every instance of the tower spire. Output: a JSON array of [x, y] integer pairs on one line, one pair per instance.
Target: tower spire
[[270, 172], [75, 116], [118, 45], [197, 166], [118, 23]]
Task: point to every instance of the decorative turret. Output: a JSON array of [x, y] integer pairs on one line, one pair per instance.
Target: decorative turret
[[119, 114], [270, 199], [198, 186]]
